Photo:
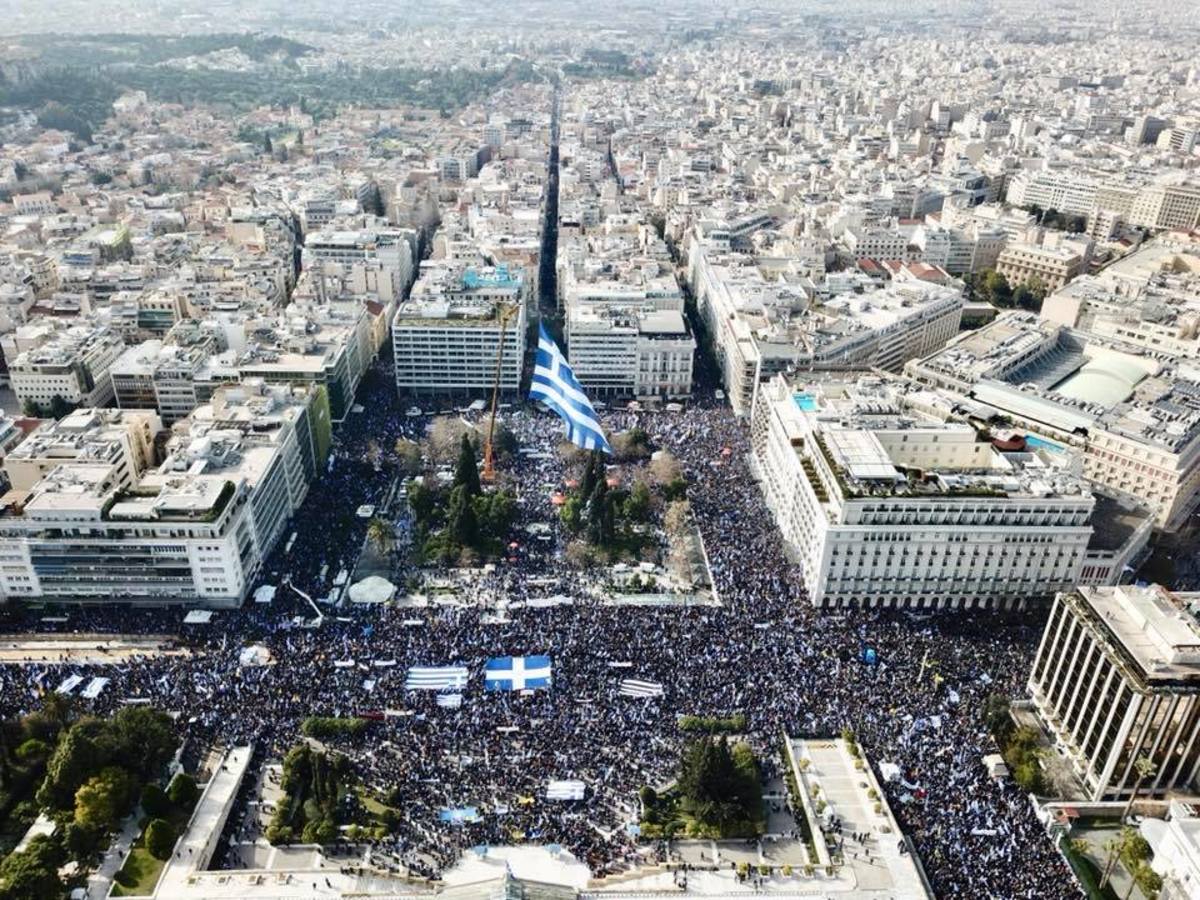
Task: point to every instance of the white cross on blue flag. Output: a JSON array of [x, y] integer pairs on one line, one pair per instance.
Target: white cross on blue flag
[[516, 673], [556, 385]]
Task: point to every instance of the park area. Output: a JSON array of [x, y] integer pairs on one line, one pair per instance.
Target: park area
[[617, 526], [718, 794]]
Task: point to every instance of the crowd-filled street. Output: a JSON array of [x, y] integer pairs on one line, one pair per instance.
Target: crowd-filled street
[[765, 652]]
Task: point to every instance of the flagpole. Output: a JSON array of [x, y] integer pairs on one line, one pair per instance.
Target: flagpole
[[489, 469]]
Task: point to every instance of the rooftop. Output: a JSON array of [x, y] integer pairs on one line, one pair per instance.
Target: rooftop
[[1155, 627]]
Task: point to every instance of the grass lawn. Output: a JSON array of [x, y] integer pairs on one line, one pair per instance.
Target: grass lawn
[[371, 805], [139, 875]]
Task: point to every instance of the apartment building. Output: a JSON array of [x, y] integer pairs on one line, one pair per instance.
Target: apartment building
[[329, 345], [163, 376], [886, 502], [358, 262], [101, 526], [1117, 678], [767, 319], [1067, 192], [637, 353], [448, 335], [70, 363]]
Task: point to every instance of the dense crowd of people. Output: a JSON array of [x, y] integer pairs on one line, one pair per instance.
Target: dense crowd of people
[[765, 652]]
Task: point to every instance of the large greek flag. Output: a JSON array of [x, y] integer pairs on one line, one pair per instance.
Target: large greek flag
[[516, 673], [436, 678], [555, 385]]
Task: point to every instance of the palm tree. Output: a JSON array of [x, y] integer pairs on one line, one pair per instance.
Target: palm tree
[[1145, 768], [379, 534]]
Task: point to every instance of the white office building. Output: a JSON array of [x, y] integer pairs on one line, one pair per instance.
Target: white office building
[[643, 354], [104, 526], [72, 364], [446, 337]]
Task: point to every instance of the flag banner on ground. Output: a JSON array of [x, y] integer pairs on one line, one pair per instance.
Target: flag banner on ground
[[449, 701], [565, 790], [460, 815], [634, 687], [436, 678], [517, 673], [556, 385], [343, 664], [93, 689], [620, 665], [69, 684]]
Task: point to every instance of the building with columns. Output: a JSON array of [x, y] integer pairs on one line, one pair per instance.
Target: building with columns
[[1116, 678]]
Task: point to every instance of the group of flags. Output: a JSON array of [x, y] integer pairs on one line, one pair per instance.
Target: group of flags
[[502, 673], [561, 790], [507, 673]]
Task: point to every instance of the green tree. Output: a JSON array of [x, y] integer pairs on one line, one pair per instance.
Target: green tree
[[462, 524], [495, 512], [598, 514], [466, 474], [33, 873], [160, 838], [32, 751], [75, 758], [588, 482], [423, 501], [183, 791], [155, 801], [146, 739], [995, 289], [268, 147], [720, 786], [59, 406], [81, 841], [571, 514], [103, 800], [637, 504]]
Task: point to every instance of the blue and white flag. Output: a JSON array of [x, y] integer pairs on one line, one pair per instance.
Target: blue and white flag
[[436, 678], [458, 815], [555, 385], [639, 689], [516, 673], [565, 790]]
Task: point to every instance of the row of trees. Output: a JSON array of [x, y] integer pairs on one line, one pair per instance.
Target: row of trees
[[55, 409], [89, 772], [314, 784], [1052, 218]]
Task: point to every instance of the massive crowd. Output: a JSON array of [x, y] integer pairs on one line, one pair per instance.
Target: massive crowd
[[765, 652]]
